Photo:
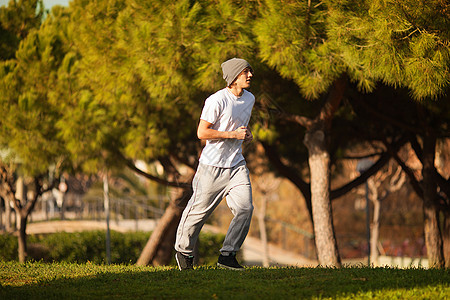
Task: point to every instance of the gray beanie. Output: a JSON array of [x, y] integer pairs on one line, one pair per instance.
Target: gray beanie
[[232, 68]]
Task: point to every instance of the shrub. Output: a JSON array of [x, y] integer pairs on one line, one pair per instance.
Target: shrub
[[81, 247], [8, 247]]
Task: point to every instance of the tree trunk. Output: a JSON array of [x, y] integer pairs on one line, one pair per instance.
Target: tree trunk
[[159, 247], [261, 213], [375, 224], [22, 250], [433, 238], [375, 232], [446, 238], [165, 250], [319, 165], [8, 211]]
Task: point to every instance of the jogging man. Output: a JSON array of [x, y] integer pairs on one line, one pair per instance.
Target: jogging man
[[222, 171]]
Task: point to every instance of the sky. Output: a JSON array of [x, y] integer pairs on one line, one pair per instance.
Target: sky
[[47, 3]]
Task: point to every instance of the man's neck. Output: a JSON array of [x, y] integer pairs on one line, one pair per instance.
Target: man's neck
[[236, 90]]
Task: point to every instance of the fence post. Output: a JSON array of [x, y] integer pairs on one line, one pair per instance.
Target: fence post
[[136, 217], [106, 202], [117, 211]]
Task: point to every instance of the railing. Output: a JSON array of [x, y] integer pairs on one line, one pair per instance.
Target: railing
[[121, 208], [306, 247], [92, 208], [138, 208]]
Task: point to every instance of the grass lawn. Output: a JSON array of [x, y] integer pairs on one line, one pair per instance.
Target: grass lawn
[[91, 281]]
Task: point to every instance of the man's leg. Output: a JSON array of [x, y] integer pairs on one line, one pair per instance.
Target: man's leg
[[239, 200], [208, 190]]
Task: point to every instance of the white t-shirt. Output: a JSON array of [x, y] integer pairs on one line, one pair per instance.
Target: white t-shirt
[[226, 112]]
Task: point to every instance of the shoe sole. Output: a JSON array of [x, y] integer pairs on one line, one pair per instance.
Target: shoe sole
[[230, 268]]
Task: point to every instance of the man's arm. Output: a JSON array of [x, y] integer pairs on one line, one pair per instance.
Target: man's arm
[[205, 132]]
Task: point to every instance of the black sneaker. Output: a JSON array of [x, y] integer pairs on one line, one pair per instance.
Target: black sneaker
[[185, 262], [229, 262]]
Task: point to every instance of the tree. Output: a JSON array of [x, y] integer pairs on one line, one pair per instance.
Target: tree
[[24, 206], [121, 81], [369, 41], [27, 86], [265, 186], [301, 52], [134, 74], [378, 188], [17, 19], [409, 49], [148, 72], [393, 110]]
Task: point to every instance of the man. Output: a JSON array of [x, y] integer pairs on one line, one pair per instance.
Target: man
[[222, 171]]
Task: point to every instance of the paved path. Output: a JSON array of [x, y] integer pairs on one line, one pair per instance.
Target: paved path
[[252, 249]]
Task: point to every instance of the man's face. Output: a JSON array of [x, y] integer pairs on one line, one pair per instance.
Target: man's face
[[244, 78]]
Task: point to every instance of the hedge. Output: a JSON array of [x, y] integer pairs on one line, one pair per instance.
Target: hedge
[[81, 247]]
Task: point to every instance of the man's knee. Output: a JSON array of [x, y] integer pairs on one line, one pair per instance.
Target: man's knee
[[245, 210]]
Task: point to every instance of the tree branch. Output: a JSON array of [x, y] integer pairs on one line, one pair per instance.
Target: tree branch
[[384, 158], [362, 156], [444, 184], [130, 164], [412, 178], [301, 120], [333, 100]]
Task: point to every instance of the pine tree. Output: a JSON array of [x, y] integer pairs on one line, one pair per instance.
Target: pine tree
[[319, 44], [402, 44], [16, 21], [147, 66], [29, 115], [300, 51]]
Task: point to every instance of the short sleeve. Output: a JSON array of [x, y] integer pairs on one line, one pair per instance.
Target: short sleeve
[[211, 111]]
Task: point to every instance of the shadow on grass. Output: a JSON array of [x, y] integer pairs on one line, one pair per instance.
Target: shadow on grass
[[260, 283]]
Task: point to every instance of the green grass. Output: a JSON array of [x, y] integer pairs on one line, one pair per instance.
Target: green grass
[[91, 281]]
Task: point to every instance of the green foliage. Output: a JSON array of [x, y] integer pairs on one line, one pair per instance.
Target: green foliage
[[208, 247], [90, 246], [8, 250], [299, 50], [17, 19], [27, 83], [134, 78], [102, 77], [401, 43], [54, 281], [223, 31]]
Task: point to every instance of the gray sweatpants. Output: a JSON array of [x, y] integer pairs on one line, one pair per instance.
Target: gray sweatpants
[[210, 185]]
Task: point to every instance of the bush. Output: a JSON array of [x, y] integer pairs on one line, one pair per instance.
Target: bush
[[81, 247], [8, 248], [90, 246], [208, 247]]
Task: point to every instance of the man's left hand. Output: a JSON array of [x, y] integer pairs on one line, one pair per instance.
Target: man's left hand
[[249, 136]]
